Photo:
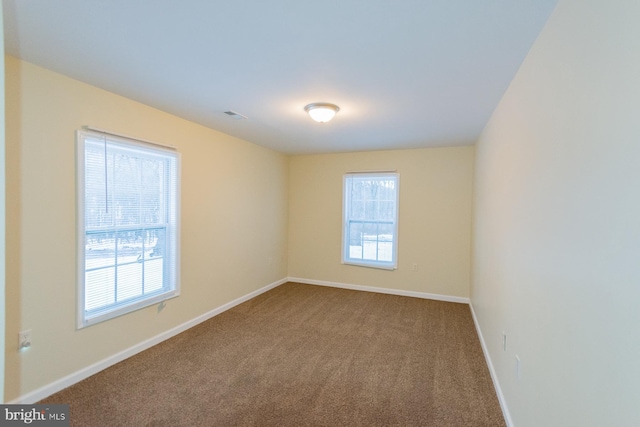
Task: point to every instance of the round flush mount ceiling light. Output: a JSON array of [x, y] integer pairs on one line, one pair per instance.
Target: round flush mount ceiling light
[[322, 112]]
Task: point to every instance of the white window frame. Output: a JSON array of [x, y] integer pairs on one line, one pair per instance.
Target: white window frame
[[171, 264], [347, 220]]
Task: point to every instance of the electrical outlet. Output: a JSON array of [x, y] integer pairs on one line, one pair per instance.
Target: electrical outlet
[[504, 341], [24, 339]]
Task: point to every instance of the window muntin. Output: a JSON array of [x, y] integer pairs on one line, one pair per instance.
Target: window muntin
[[128, 205], [370, 226]]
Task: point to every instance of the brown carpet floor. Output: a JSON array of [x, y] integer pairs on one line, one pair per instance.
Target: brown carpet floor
[[302, 355]]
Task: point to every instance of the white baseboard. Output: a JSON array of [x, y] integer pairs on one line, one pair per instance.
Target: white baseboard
[[414, 294], [80, 375], [494, 377]]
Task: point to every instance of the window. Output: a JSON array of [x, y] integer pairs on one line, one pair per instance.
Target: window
[[370, 212], [128, 206]]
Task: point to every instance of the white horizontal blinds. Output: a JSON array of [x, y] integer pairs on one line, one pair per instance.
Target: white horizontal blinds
[[130, 223], [371, 217]]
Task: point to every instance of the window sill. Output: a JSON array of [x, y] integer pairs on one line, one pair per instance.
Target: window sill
[[371, 265]]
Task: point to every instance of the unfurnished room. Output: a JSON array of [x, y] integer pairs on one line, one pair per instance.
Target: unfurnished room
[[338, 213]]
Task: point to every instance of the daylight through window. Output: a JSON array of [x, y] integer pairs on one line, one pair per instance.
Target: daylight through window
[[370, 210], [128, 206]]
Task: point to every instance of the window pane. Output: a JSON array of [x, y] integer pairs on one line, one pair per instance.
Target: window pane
[[153, 275], [357, 209], [100, 250], [129, 281], [370, 241], [385, 242], [100, 288], [370, 210], [151, 200], [99, 270], [129, 245], [126, 189], [154, 261], [96, 195], [356, 234]]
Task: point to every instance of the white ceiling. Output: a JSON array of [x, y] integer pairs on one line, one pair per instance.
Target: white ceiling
[[406, 74]]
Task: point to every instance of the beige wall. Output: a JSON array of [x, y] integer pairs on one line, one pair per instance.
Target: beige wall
[[434, 223], [234, 220], [557, 223], [2, 213]]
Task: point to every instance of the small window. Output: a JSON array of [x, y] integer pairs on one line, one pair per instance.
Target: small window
[[370, 226], [128, 228]]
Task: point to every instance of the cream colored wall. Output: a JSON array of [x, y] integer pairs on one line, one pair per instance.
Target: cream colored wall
[[434, 219], [2, 213], [234, 219], [557, 223]]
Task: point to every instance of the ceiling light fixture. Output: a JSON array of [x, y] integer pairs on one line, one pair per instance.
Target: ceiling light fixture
[[321, 112]]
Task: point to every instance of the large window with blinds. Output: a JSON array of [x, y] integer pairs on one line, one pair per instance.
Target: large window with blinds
[[370, 219], [128, 225]]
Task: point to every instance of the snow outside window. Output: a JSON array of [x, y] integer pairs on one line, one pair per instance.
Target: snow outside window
[[370, 226], [128, 206]]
